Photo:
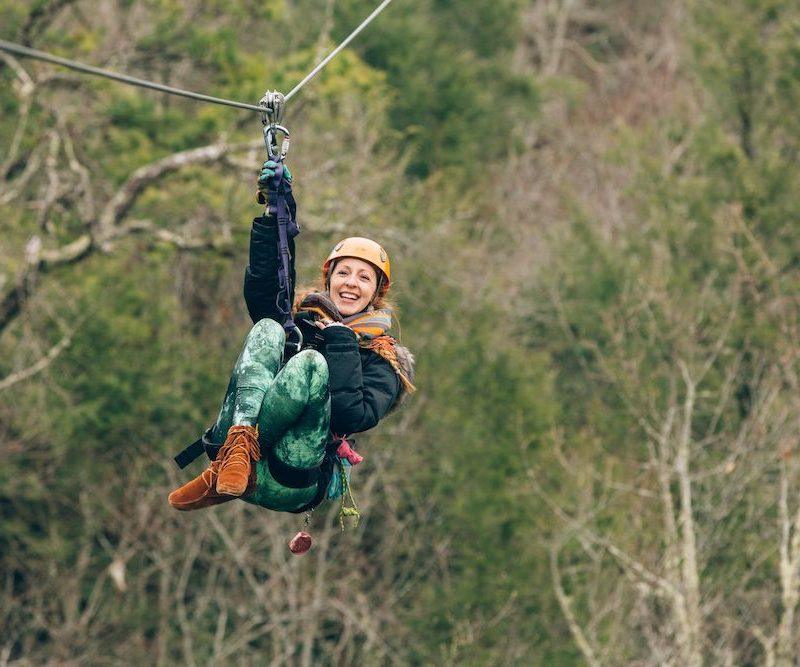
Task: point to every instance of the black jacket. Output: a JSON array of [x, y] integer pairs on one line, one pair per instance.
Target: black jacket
[[363, 385]]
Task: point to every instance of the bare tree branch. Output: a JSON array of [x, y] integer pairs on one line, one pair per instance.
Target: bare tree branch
[[126, 195], [690, 577], [566, 607], [39, 366], [106, 230], [26, 88]]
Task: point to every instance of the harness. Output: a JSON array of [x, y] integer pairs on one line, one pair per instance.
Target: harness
[[281, 204]]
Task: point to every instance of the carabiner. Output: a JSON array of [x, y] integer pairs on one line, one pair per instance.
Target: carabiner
[[271, 140], [293, 346]]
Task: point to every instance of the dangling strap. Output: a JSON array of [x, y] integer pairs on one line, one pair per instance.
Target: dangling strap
[[347, 495], [281, 204], [203, 445]]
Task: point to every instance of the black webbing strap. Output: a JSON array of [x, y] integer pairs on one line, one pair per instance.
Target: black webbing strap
[[326, 472], [289, 476], [190, 453], [281, 204], [202, 445]]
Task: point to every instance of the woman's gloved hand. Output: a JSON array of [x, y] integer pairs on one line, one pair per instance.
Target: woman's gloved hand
[[266, 179]]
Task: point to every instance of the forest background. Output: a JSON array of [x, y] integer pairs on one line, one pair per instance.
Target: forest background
[[591, 207]]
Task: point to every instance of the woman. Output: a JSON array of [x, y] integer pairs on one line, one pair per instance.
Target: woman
[[284, 425]]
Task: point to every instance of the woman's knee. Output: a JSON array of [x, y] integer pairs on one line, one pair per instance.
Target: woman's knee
[[266, 331], [313, 365], [263, 348]]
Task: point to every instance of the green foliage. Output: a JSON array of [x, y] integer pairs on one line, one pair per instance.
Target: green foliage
[[696, 286], [449, 67], [537, 388]]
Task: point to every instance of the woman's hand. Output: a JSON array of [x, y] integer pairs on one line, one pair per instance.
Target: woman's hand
[[266, 176], [268, 172]]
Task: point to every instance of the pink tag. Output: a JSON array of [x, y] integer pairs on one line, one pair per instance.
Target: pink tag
[[346, 452]]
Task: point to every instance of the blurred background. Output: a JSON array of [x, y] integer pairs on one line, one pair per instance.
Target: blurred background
[[591, 208]]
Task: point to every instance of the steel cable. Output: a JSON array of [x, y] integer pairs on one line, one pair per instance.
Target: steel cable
[[333, 53], [20, 50], [27, 52]]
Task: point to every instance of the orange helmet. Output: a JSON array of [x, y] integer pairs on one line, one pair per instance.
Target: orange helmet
[[369, 251]]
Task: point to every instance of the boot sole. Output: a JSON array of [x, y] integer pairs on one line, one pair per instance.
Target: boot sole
[[183, 508], [198, 504], [229, 490], [186, 507]]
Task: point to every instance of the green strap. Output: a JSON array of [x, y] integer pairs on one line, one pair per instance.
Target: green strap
[[347, 494]]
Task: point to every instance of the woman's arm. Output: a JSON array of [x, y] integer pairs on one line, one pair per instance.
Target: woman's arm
[[261, 275], [361, 394]]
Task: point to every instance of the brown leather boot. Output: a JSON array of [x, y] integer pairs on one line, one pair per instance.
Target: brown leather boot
[[200, 492], [241, 446]]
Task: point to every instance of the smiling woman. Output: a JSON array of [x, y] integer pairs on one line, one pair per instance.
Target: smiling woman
[[281, 438], [356, 274]]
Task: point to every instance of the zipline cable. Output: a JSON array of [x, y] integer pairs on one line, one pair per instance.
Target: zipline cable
[[20, 50], [333, 53]]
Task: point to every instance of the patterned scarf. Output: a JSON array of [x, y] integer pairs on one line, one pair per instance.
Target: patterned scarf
[[370, 323]]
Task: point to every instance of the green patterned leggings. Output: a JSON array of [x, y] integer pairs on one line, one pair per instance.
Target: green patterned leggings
[[291, 406]]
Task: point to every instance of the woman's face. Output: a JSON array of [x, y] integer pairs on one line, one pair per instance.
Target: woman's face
[[352, 285]]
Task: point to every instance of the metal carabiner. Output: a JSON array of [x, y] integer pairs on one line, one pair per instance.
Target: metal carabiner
[[293, 346], [271, 141]]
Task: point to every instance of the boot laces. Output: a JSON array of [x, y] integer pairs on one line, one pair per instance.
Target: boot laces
[[241, 446]]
